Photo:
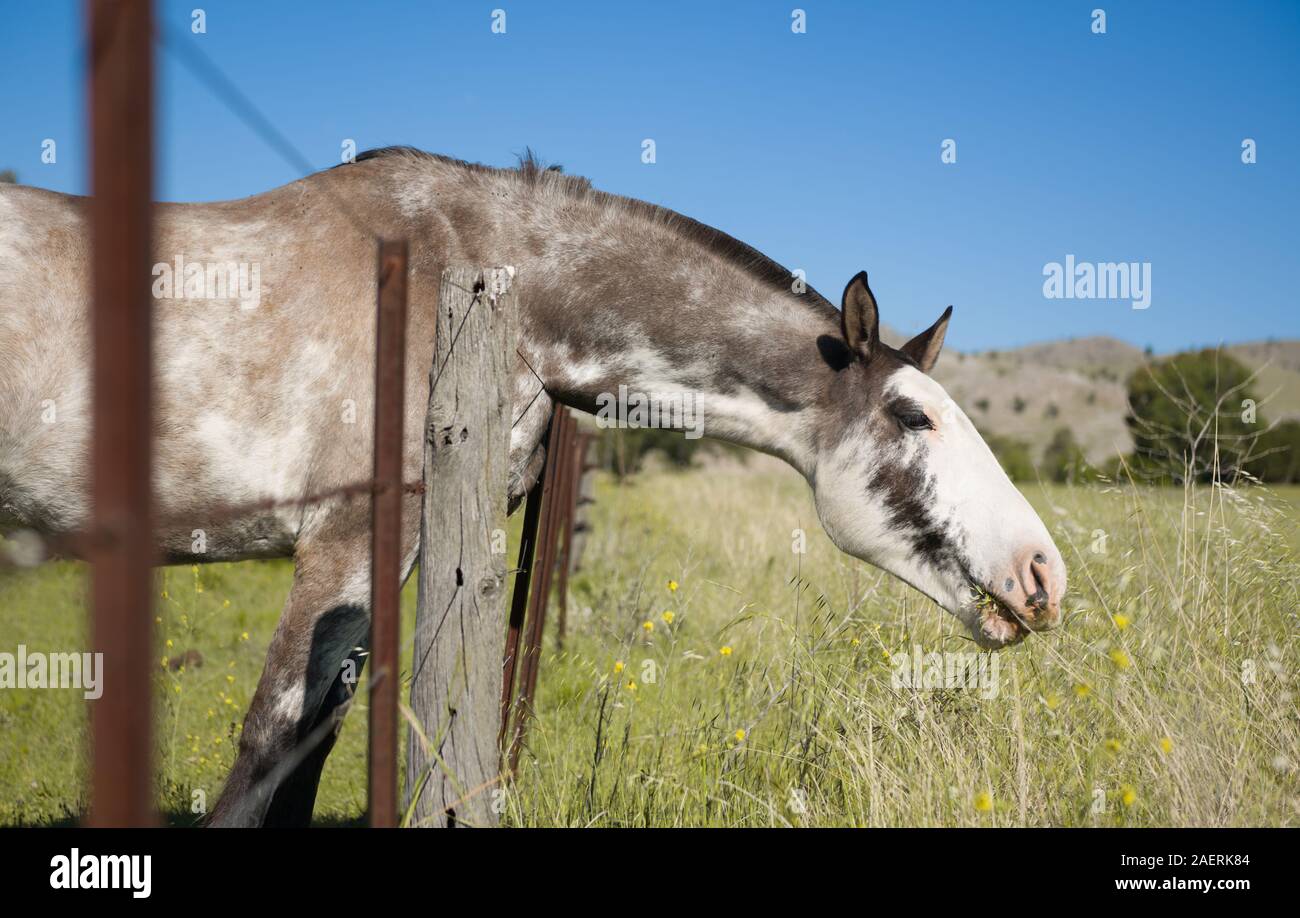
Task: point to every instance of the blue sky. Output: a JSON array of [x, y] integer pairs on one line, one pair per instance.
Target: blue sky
[[821, 149]]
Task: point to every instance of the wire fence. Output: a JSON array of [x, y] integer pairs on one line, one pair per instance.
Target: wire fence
[[119, 541]]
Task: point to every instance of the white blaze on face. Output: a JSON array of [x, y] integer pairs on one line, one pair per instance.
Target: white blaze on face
[[968, 497], [971, 489], [857, 515]]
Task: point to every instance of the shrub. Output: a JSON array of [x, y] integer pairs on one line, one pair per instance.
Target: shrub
[[1063, 459], [1013, 455], [1185, 414], [1276, 454]]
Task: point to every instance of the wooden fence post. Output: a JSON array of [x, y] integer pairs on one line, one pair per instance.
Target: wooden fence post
[[460, 624]]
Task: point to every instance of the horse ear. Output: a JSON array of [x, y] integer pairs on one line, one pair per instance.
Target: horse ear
[[859, 317], [925, 347]]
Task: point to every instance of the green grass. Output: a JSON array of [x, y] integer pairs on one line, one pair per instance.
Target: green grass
[[1167, 697], [224, 612]]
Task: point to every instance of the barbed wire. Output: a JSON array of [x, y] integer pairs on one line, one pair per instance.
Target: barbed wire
[[30, 547]]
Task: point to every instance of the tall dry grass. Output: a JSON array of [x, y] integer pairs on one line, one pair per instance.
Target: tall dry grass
[[765, 697]]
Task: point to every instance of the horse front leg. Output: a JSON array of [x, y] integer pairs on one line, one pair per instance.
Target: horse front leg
[[295, 796], [304, 688]]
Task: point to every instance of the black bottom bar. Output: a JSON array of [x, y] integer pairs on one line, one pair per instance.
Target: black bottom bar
[[928, 867]]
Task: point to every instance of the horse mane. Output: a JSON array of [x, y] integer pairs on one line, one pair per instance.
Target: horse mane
[[533, 173]]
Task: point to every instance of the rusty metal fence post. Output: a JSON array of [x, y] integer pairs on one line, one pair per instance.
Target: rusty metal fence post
[[562, 428], [386, 530], [121, 547], [519, 596], [573, 471]]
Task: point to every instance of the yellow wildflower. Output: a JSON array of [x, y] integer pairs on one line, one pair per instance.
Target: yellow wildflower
[[725, 650], [983, 801], [668, 617]]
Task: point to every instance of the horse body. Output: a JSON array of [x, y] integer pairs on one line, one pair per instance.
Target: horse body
[[268, 398]]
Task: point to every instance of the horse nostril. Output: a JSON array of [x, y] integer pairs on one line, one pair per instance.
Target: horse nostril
[[1040, 596], [1040, 558], [1009, 585]]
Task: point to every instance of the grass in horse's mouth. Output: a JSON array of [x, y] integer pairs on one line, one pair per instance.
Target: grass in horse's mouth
[[986, 605]]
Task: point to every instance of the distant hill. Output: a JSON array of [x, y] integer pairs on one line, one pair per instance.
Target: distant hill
[[1028, 392]]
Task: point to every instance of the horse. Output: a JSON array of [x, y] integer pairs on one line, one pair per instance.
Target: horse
[[263, 385]]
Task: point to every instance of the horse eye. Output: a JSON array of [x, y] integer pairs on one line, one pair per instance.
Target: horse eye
[[915, 420]]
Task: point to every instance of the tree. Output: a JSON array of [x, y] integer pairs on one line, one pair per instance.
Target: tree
[[1012, 455], [1191, 416], [1063, 459], [8, 176], [1276, 457]]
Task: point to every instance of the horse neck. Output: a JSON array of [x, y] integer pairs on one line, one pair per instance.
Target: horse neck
[[667, 321]]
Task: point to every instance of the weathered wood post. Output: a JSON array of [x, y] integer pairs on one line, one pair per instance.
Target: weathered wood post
[[460, 623]]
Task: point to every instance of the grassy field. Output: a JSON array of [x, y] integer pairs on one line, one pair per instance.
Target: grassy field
[[715, 676]]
